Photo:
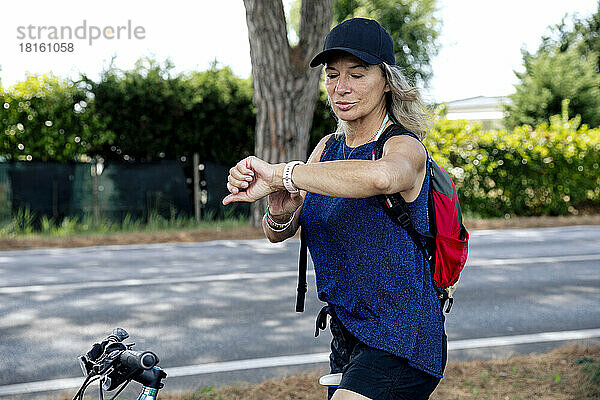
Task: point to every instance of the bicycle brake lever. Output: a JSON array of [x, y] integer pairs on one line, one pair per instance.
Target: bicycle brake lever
[[86, 366], [108, 362]]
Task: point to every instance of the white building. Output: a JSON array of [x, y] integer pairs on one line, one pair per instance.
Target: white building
[[489, 111]]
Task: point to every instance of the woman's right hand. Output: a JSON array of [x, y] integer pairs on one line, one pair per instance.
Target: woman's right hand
[[252, 179], [249, 180]]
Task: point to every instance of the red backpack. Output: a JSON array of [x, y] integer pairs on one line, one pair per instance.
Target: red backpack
[[446, 243]]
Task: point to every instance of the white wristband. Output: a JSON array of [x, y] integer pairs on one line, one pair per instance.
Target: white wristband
[[287, 176]]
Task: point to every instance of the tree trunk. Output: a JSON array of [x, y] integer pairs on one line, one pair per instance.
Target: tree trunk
[[285, 87]]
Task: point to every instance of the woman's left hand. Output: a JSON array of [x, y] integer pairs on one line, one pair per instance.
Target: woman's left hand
[[250, 179]]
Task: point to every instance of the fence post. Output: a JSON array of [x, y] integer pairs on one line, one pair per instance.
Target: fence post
[[197, 200], [95, 197]]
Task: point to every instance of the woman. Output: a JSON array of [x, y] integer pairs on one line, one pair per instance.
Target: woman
[[387, 326]]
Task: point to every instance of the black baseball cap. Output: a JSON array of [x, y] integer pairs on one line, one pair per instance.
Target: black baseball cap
[[361, 37]]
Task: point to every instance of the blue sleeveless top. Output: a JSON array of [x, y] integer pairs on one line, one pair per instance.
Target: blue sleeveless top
[[372, 273]]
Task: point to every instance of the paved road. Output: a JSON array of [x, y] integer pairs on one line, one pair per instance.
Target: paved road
[[197, 303]]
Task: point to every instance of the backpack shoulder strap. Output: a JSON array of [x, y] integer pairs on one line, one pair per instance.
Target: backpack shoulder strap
[[303, 259], [394, 205], [395, 129], [302, 264]]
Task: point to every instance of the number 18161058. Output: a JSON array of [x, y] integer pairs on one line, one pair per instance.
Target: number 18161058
[[46, 47]]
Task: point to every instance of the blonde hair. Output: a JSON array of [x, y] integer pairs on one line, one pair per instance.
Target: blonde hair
[[403, 102]]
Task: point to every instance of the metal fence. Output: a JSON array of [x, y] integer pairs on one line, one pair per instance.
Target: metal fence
[[113, 190]]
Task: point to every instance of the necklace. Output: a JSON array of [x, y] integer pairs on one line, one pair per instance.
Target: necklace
[[385, 120]]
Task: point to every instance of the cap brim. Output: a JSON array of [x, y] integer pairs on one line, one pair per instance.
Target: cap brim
[[321, 58]]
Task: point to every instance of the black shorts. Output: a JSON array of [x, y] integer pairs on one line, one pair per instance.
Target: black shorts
[[375, 373]]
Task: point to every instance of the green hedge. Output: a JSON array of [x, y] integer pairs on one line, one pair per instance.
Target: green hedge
[[552, 169]]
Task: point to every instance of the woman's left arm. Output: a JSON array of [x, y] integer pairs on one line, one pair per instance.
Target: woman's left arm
[[400, 169]]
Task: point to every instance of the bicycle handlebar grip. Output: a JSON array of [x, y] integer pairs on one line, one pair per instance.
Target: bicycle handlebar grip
[[133, 360]]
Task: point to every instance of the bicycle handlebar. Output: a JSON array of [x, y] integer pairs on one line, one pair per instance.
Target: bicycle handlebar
[[134, 360], [116, 365]]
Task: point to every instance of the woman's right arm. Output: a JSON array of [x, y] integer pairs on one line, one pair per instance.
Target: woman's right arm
[[274, 236]]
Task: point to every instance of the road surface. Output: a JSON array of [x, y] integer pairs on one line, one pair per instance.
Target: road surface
[[201, 304]]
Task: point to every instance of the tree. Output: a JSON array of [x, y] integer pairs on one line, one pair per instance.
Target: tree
[[566, 66], [585, 36], [412, 25], [551, 77], [285, 87], [589, 29]]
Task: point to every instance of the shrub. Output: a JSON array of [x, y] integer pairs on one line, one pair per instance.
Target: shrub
[[44, 118], [552, 169]]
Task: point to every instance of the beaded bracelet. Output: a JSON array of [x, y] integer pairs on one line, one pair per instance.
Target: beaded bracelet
[[276, 226]]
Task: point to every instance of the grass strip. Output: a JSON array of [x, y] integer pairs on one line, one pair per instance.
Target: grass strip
[[569, 372], [233, 228]]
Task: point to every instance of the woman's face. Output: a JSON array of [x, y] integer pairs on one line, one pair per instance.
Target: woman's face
[[355, 88]]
